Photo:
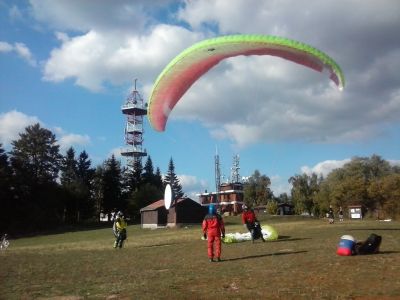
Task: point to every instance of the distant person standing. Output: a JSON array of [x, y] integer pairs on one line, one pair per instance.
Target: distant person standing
[[340, 214], [119, 229], [213, 229], [331, 215]]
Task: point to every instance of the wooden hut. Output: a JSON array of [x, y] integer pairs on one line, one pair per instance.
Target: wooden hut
[[154, 215], [182, 212], [185, 212], [285, 209]]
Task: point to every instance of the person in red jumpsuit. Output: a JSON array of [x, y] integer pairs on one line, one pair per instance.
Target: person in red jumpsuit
[[249, 219], [213, 229]]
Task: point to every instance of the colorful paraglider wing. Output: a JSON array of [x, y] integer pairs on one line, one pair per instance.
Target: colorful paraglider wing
[[192, 63]]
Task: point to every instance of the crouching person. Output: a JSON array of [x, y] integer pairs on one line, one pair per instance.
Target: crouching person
[[119, 229], [251, 223], [213, 229]]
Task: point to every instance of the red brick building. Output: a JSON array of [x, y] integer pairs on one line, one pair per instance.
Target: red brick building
[[229, 199]]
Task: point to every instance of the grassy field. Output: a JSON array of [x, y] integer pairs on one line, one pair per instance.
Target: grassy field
[[173, 264]]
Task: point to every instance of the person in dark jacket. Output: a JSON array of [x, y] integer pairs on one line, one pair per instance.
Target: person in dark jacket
[[331, 215], [213, 229], [340, 214]]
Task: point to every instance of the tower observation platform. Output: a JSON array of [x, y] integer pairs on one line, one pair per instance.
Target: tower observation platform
[[134, 109]]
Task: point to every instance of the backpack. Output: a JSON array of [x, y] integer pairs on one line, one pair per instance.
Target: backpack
[[256, 230], [114, 229], [370, 245]]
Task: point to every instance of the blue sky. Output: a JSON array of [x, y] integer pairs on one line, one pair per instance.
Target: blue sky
[[71, 64]]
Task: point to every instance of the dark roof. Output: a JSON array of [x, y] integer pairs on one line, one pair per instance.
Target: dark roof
[[153, 206], [160, 203], [285, 204]]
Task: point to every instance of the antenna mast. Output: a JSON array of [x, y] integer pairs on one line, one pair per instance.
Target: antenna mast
[[235, 176], [217, 172]]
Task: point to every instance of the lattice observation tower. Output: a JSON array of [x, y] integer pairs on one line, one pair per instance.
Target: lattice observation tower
[[134, 109]]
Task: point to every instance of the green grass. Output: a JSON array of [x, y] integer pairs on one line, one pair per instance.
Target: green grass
[[173, 264]]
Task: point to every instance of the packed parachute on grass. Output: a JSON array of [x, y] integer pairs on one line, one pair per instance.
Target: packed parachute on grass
[[269, 233], [348, 245]]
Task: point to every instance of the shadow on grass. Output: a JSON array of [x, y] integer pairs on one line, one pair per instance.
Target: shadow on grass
[[386, 252], [287, 238], [158, 245], [373, 229], [264, 255]]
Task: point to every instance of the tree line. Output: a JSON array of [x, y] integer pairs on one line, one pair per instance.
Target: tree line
[[41, 189], [371, 182]]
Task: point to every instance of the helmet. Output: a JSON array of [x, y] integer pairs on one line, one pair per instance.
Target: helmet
[[211, 209], [119, 214], [244, 207]]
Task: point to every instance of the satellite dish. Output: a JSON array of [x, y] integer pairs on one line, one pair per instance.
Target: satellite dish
[[167, 196]]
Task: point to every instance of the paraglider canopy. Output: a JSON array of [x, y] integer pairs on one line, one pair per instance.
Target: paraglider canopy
[[179, 75]]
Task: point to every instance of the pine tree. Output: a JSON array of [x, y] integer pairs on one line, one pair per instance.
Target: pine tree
[[97, 191], [172, 179], [85, 174], [149, 189], [112, 185], [70, 185], [148, 171], [158, 179], [6, 203], [69, 168], [76, 180], [84, 170]]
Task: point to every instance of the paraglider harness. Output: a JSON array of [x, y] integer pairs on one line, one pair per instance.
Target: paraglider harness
[[255, 230], [119, 234], [369, 246]]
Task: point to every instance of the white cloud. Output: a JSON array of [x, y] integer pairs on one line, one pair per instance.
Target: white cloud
[[230, 17], [96, 57], [394, 162], [24, 53], [85, 15], [269, 103], [191, 185], [116, 152], [279, 185], [5, 47], [72, 140], [325, 167], [20, 49], [12, 123], [67, 140]]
